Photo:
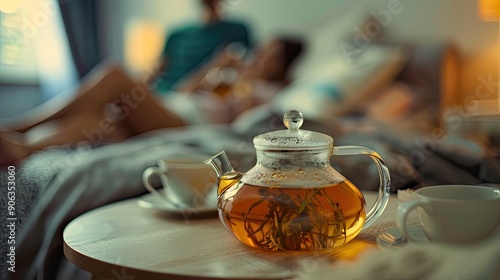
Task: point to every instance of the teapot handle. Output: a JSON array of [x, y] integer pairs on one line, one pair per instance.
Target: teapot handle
[[384, 190]]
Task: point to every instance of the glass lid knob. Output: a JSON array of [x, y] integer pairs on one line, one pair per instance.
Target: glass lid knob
[[293, 119]]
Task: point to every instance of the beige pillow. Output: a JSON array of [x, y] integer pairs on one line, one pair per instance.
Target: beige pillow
[[339, 84]]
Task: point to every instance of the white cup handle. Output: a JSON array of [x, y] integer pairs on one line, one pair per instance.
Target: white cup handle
[[404, 210], [146, 175]]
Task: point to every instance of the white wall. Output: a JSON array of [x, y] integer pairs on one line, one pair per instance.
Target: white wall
[[418, 21]]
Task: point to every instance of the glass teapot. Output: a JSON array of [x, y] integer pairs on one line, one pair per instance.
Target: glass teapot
[[293, 199]]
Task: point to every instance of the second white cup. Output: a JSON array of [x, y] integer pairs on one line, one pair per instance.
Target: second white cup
[[453, 213]]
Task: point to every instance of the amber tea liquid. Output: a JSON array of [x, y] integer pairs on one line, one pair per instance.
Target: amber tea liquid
[[292, 218]]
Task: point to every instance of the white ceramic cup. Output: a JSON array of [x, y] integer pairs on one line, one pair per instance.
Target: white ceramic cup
[[453, 213], [186, 181]]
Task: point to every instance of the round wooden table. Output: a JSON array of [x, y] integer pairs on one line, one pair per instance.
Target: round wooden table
[[125, 241]]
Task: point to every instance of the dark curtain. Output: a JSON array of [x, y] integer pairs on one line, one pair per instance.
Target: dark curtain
[[80, 20]]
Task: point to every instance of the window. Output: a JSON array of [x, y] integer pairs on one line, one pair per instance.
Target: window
[[17, 52], [34, 48]]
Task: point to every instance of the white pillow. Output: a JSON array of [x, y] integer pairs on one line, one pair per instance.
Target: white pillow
[[325, 40], [338, 84]]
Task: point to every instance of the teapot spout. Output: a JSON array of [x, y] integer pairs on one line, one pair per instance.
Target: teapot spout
[[220, 163], [224, 170]]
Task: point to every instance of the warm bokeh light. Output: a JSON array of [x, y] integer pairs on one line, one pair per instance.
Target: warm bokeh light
[[144, 41], [489, 10], [10, 6]]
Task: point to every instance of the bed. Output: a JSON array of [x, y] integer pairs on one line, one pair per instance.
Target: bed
[[58, 184]]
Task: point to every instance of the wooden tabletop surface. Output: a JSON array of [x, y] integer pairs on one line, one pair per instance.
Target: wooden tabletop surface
[[126, 241]]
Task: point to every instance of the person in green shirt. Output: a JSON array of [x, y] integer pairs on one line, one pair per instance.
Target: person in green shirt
[[189, 48]]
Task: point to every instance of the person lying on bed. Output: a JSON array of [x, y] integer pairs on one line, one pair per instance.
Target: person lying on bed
[[229, 85], [111, 103]]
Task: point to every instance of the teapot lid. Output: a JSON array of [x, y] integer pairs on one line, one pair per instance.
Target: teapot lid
[[293, 138]]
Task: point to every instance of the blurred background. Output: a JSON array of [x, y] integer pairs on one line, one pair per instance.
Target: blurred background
[[46, 46], [415, 80]]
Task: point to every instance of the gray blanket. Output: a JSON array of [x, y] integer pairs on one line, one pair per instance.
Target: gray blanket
[[70, 182]]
